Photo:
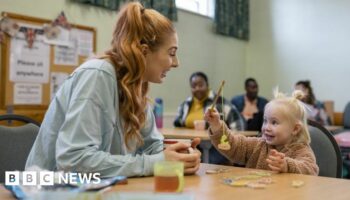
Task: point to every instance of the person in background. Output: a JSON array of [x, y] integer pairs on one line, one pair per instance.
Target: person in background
[[194, 107], [250, 105], [285, 143], [316, 110], [100, 120]]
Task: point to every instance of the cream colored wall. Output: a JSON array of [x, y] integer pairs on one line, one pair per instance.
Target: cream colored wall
[[298, 39], [200, 49], [290, 40]]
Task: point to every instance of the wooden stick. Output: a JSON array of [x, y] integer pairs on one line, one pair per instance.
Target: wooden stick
[[217, 95]]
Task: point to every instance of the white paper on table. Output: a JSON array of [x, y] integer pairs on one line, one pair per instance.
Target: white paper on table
[[84, 40], [29, 64], [57, 78], [27, 93], [65, 56]]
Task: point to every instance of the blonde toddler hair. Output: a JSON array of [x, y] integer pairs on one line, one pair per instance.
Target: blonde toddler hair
[[293, 108]]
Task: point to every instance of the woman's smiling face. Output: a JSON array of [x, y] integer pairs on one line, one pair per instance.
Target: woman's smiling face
[[160, 61]]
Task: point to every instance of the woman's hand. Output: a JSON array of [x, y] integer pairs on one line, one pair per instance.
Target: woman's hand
[[212, 116], [277, 162], [191, 160]]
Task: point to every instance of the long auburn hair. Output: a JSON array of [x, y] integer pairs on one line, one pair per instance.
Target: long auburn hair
[[135, 27]]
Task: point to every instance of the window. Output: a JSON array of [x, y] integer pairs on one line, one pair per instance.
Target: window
[[203, 7]]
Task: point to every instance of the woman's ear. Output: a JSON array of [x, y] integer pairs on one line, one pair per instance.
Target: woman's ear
[[144, 49]]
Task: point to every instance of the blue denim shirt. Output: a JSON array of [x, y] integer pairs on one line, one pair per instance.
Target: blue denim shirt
[[82, 129]]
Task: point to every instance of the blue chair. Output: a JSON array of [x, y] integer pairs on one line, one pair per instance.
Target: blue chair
[[15, 117], [326, 149], [16, 143]]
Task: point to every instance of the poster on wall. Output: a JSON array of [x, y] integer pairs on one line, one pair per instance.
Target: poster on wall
[[29, 64], [65, 56], [84, 41], [61, 39], [27, 93], [57, 78]]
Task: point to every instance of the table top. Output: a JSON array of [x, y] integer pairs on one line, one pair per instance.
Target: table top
[[209, 186], [184, 133], [332, 128], [5, 194]]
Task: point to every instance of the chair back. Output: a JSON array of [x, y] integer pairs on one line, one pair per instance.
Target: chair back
[[15, 144], [346, 116], [326, 149], [21, 118]]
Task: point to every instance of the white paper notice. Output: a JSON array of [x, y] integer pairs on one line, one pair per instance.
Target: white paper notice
[[65, 56], [29, 64], [27, 93], [57, 78], [85, 41], [63, 38]]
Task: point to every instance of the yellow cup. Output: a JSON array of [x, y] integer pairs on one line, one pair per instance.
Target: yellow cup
[[168, 176]]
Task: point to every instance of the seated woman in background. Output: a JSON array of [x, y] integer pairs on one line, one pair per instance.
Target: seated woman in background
[[194, 107], [316, 111]]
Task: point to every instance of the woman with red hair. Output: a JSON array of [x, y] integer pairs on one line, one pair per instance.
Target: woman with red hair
[[100, 119]]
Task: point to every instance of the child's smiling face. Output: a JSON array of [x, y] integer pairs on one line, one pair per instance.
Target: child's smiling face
[[277, 128]]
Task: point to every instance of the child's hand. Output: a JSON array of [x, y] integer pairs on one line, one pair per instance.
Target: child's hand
[[212, 116], [276, 161]]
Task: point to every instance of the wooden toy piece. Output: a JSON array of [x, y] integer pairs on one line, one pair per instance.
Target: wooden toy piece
[[224, 144], [297, 183], [217, 171], [265, 180], [260, 173], [256, 185], [240, 183]]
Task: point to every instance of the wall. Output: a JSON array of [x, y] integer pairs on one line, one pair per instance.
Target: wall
[[290, 40], [298, 39], [220, 57], [200, 49]]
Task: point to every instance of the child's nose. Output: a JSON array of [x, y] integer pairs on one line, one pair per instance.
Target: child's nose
[[266, 127]]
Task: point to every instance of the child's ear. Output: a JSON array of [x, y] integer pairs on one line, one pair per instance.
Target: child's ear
[[144, 49], [297, 129]]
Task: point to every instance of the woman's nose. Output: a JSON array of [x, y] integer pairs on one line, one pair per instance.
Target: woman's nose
[[198, 88], [175, 63]]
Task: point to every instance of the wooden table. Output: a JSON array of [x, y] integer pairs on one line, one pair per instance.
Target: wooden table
[[208, 186], [184, 133], [5, 194], [333, 128]]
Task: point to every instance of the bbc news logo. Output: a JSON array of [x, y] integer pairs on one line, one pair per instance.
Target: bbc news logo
[[49, 178]]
